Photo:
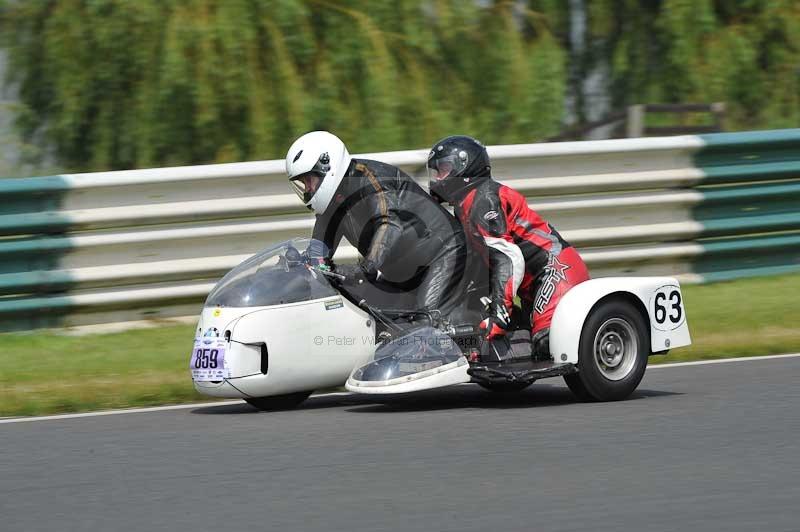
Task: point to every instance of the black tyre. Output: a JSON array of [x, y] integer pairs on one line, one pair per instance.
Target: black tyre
[[505, 387], [278, 402], [612, 355], [575, 385]]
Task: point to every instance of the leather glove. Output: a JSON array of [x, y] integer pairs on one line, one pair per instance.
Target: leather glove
[[493, 327], [319, 262], [316, 256], [498, 322], [370, 269]]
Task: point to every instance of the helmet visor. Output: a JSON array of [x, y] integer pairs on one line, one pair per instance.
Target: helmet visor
[[306, 185], [440, 168]]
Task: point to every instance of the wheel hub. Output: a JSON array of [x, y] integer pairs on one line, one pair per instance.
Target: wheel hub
[[615, 348]]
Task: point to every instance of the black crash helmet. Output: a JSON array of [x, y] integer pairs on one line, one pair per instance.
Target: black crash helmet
[[456, 165]]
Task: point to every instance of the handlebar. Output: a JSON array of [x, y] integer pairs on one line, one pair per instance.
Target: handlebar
[[328, 273]]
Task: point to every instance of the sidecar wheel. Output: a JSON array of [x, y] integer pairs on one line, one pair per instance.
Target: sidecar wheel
[[575, 385], [612, 357], [278, 402]]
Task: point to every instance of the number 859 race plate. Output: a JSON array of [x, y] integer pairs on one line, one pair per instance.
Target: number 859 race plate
[[208, 360]]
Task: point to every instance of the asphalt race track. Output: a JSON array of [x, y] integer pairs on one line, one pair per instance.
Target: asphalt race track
[[707, 447]]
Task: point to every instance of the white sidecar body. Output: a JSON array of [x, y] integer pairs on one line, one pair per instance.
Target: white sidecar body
[[267, 329], [601, 334], [272, 327]]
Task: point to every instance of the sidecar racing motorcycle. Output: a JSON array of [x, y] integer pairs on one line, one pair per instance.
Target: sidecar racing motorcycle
[[275, 328]]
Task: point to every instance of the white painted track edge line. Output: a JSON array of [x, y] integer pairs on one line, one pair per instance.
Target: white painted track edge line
[[239, 401], [144, 410], [721, 361]]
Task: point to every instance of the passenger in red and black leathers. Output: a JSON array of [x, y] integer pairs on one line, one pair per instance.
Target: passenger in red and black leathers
[[525, 254]]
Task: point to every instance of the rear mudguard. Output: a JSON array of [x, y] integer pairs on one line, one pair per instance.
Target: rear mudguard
[[659, 299]]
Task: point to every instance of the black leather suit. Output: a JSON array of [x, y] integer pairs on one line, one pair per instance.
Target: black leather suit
[[399, 230]]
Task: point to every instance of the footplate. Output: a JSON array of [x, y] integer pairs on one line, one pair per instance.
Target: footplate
[[520, 371]]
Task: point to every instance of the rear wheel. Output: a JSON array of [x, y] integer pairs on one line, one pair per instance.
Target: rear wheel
[[278, 402], [575, 385], [613, 351]]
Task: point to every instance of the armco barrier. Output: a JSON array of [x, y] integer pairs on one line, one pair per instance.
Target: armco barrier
[[121, 246]]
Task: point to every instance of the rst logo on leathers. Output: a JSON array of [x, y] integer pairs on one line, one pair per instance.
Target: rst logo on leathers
[[555, 274], [666, 308]]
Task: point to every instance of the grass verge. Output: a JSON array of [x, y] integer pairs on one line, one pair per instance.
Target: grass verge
[[748, 317], [50, 373]]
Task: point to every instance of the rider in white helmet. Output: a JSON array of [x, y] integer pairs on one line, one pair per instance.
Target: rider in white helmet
[[316, 164], [404, 237]]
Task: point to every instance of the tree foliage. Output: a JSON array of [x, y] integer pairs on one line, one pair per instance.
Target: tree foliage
[[743, 52], [122, 84]]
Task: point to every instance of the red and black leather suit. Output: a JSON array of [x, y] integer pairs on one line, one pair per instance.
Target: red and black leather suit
[[526, 255]]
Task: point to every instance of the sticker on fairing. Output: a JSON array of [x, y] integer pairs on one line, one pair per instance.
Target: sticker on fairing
[[666, 308], [208, 357], [331, 305]]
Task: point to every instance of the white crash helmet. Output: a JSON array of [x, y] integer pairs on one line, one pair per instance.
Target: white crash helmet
[[323, 154]]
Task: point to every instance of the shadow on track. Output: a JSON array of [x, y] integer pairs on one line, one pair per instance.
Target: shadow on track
[[312, 403], [461, 397], [452, 398]]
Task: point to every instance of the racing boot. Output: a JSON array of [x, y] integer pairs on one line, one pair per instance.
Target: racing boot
[[499, 366], [540, 346]]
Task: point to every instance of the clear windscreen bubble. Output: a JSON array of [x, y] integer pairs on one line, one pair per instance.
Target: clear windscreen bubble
[[419, 353], [274, 276]]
